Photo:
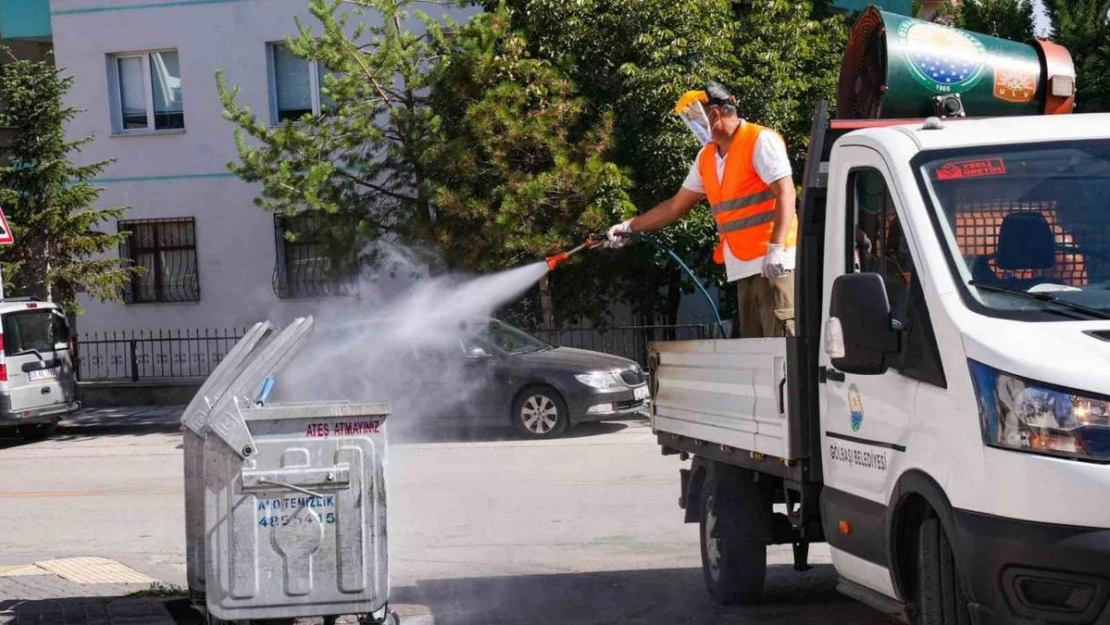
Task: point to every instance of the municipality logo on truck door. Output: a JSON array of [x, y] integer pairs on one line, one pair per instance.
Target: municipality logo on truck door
[[855, 405]]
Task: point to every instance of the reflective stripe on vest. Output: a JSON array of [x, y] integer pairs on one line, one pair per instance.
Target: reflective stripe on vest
[[747, 222], [743, 202]]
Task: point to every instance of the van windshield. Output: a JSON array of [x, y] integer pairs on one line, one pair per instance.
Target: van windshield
[[37, 330], [1026, 227]]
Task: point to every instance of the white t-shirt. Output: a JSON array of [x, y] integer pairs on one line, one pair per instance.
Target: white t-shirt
[[771, 163]]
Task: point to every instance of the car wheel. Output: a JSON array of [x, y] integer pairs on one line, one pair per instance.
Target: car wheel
[[540, 412], [940, 599], [32, 433]]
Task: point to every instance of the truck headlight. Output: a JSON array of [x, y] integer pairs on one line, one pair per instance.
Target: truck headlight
[[597, 379], [1016, 413]]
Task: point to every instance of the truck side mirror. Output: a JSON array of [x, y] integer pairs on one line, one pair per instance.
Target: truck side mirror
[[861, 333]]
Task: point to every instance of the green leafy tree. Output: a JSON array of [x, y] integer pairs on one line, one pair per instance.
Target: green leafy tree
[[784, 63], [633, 59], [1007, 19], [636, 57], [516, 169], [1083, 27], [47, 199]]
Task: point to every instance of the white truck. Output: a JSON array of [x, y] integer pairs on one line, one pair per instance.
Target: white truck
[[942, 417]]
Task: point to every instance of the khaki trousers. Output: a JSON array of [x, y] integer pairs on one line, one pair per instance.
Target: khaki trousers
[[766, 306]]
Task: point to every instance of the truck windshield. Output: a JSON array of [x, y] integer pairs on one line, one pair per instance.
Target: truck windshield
[[1027, 227]]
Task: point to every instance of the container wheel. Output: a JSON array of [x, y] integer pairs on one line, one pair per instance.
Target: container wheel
[[733, 564], [940, 597], [390, 618]]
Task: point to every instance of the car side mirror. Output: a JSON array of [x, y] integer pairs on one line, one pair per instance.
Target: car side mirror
[[473, 352], [861, 334]]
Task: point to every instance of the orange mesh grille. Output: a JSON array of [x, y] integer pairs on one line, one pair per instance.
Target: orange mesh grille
[[977, 226]]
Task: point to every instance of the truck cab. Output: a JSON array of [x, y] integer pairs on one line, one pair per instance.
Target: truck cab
[[942, 418]]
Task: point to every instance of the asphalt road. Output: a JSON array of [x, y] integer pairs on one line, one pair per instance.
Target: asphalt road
[[583, 529]]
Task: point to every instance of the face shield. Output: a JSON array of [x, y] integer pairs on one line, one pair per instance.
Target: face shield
[[690, 108]]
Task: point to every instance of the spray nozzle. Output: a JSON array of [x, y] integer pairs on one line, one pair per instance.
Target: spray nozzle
[[561, 257], [556, 260]]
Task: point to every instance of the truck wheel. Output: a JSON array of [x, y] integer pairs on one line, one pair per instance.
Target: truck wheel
[[940, 597], [734, 567], [539, 412]]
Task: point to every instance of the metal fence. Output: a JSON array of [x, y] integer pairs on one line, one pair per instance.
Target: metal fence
[[153, 355], [195, 353]]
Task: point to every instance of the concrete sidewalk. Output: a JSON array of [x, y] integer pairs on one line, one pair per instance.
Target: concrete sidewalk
[[81, 591], [126, 419]]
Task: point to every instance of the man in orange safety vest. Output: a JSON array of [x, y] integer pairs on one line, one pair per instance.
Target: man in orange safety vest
[[744, 172]]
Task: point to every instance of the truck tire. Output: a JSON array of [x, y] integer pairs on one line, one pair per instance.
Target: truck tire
[[940, 597], [733, 563]]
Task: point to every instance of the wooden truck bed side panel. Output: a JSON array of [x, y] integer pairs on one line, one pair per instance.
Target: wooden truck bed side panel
[[726, 392]]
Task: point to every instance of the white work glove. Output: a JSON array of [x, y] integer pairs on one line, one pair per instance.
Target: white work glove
[[619, 234], [774, 263]]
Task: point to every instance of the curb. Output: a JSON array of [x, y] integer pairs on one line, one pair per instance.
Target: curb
[[118, 428]]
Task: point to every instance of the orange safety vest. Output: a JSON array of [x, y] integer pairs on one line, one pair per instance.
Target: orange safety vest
[[742, 203]]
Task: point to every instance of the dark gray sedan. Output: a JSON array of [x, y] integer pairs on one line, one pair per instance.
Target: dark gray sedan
[[545, 389]]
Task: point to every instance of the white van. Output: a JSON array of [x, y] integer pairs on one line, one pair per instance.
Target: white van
[[38, 383]]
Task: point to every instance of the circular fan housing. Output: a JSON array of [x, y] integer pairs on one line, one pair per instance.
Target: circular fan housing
[[900, 67]]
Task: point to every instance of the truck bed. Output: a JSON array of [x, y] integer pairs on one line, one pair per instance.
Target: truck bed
[[729, 392]]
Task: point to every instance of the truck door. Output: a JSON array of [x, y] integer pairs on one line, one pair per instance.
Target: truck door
[[864, 417]]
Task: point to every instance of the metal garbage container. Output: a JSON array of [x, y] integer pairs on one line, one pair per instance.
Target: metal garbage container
[[293, 496]]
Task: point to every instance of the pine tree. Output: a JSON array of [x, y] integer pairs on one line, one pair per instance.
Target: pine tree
[[48, 200], [445, 136], [357, 162], [517, 169]]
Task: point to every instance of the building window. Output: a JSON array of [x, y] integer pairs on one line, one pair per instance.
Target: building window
[[295, 85], [304, 268], [167, 250], [146, 91]]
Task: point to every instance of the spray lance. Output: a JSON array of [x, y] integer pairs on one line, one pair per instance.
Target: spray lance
[[599, 239]]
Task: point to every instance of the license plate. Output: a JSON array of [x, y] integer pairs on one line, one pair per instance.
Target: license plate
[[42, 374], [640, 393]]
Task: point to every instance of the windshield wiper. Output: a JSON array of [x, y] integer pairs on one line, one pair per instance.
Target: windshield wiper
[[1043, 297], [28, 351]]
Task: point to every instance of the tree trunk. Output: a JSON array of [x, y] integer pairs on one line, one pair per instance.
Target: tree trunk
[[547, 307], [46, 286]]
